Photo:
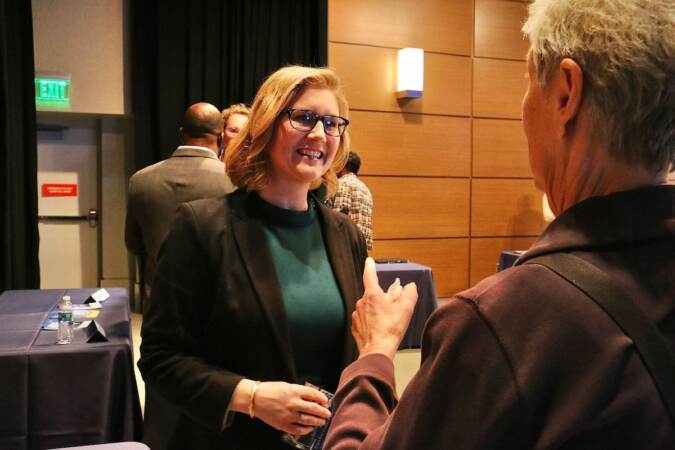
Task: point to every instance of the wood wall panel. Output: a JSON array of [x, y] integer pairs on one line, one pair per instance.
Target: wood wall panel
[[485, 254], [500, 149], [448, 258], [502, 207], [369, 78], [434, 25], [418, 154], [411, 144], [497, 31], [447, 85], [499, 87], [416, 207], [368, 75]]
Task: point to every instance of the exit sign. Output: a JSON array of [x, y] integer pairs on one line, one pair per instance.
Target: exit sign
[[52, 90]]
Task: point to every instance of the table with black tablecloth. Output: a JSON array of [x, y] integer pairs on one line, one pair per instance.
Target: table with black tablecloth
[[508, 258], [426, 300], [65, 395], [116, 446]]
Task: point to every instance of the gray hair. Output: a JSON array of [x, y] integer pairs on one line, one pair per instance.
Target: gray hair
[[626, 50]]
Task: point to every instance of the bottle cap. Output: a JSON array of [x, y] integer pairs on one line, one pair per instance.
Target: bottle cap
[[66, 298]]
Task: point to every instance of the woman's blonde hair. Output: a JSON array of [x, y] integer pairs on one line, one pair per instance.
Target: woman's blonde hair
[[247, 159]]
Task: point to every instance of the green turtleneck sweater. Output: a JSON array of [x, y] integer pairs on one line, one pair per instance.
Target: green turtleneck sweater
[[314, 307]]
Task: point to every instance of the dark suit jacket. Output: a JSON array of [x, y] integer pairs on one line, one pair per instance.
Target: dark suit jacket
[[217, 315], [156, 191]]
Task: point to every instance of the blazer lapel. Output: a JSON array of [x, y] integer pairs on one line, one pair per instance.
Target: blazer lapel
[[340, 256], [249, 234]]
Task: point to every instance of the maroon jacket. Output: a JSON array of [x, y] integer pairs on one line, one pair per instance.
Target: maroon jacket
[[524, 359]]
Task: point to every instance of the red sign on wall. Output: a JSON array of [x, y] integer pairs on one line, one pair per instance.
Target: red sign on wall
[[59, 190]]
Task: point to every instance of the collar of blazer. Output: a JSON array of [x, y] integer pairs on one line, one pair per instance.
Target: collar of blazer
[[248, 232], [194, 150]]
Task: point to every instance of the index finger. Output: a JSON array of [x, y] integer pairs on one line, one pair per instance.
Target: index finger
[[370, 280]]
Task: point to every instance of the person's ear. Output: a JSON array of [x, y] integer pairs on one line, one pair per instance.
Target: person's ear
[[569, 87]]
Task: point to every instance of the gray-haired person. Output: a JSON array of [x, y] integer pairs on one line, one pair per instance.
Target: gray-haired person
[[526, 359]]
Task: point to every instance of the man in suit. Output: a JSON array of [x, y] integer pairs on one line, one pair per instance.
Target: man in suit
[[192, 172]]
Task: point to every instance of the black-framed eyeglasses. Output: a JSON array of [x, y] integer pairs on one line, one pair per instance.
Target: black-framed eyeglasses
[[305, 120]]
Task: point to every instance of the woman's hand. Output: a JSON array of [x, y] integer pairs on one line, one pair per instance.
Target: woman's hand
[[380, 320], [292, 408]]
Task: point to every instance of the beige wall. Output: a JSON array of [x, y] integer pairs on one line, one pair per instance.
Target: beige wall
[[88, 40], [449, 172], [83, 39], [116, 155]]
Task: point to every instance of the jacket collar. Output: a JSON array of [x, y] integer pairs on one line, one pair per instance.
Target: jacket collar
[[194, 150], [248, 230], [618, 218], [342, 262]]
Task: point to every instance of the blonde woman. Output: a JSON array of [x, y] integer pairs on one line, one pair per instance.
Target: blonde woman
[[255, 290]]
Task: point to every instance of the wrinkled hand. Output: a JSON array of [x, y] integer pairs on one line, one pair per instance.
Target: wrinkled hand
[[292, 408], [380, 320]]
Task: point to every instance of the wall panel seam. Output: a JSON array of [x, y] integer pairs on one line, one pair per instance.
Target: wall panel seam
[[496, 58], [436, 238], [432, 52], [498, 118], [471, 140], [501, 178], [435, 177], [502, 236], [411, 113]]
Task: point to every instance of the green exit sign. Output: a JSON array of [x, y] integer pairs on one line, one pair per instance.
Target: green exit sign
[[52, 90]]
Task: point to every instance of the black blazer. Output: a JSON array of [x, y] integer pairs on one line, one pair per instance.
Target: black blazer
[[217, 316]]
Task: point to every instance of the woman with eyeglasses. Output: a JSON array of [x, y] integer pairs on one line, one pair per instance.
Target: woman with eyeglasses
[[254, 291]]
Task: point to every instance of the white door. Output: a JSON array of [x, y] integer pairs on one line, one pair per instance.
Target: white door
[[67, 191]]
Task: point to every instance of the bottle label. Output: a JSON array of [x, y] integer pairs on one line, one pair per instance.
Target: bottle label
[[65, 316]]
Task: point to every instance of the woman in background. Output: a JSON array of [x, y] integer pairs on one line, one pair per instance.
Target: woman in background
[[254, 291], [235, 118]]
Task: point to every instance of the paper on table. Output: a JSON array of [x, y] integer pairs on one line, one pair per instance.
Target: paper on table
[[50, 324], [100, 296], [92, 305], [53, 324]]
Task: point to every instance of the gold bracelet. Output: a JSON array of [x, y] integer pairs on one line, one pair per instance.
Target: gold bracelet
[[256, 384]]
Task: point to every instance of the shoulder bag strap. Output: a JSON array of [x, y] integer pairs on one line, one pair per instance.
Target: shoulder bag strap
[[652, 346]]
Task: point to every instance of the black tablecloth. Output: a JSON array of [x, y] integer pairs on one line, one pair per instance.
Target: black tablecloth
[[65, 395], [117, 446], [508, 258], [426, 301]]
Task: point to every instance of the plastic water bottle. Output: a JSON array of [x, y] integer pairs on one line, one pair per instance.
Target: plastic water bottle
[[65, 321]]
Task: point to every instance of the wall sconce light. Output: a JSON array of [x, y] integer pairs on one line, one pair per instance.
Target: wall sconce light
[[410, 81]]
